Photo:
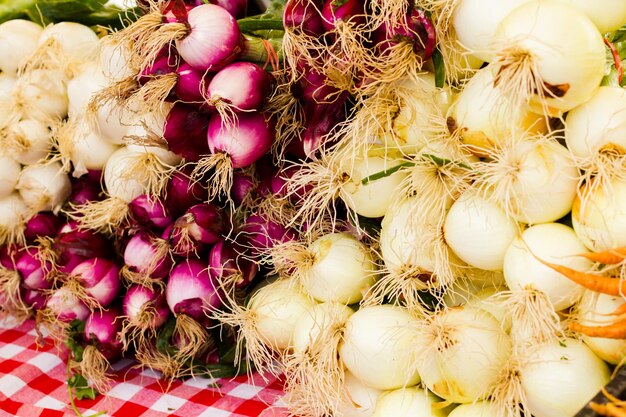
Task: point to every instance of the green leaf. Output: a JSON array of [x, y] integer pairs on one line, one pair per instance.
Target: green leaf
[[163, 342], [81, 388], [440, 69]]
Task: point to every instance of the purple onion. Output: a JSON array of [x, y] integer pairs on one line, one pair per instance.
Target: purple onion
[[34, 299], [305, 16], [237, 8], [149, 212], [241, 86], [74, 245], [321, 119], [66, 306], [185, 132], [102, 329], [202, 224], [166, 63], [35, 273], [100, 278], [226, 263], [314, 88], [191, 290], [418, 31], [9, 255], [242, 188], [213, 40], [190, 84], [261, 234], [250, 137], [335, 11], [183, 192], [84, 191], [143, 255], [139, 298], [42, 224]]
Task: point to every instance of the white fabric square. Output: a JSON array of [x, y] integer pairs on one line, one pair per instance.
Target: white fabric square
[[168, 403], [52, 403], [124, 391], [245, 391], [10, 384], [215, 412], [45, 361], [9, 351]]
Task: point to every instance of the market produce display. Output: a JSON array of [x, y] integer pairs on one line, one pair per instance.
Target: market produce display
[[403, 207]]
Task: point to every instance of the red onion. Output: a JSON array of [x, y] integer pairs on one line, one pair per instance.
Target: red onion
[[185, 132], [241, 86], [139, 299], [34, 299], [166, 63], [190, 84], [191, 290], [100, 279], [202, 224], [261, 234], [74, 245], [243, 188], [314, 87], [146, 256], [42, 224], [34, 271], [84, 191], [321, 119], [305, 16], [226, 264], [66, 306], [335, 11], [9, 255], [237, 8], [182, 192], [102, 329], [213, 39], [417, 31], [250, 137], [149, 212]]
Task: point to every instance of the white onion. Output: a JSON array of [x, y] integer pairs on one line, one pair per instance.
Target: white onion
[[484, 116], [461, 353], [75, 41], [598, 124], [594, 310], [115, 59], [42, 93], [9, 174], [479, 409], [277, 307], [599, 215], [479, 231], [312, 327], [378, 347], [408, 402], [550, 242], [361, 399], [18, 39], [89, 151], [88, 81], [374, 198], [553, 44], [343, 269], [44, 187], [607, 15], [149, 124], [559, 378], [30, 141], [534, 180], [476, 35], [13, 214], [7, 83]]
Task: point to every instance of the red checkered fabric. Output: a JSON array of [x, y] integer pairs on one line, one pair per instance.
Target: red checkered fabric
[[32, 384]]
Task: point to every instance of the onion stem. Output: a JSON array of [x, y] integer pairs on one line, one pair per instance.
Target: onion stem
[[251, 24], [256, 49]]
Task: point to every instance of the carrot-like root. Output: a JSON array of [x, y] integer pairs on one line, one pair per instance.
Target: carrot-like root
[[616, 330], [614, 408], [608, 257]]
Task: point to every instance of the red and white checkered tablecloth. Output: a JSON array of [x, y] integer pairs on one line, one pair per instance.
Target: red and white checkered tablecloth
[[33, 384]]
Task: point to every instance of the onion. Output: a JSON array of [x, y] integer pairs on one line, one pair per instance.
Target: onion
[[377, 347], [44, 187], [18, 39], [461, 353], [34, 270], [548, 374], [29, 141], [228, 263], [479, 231], [86, 150], [479, 409], [66, 306], [102, 328], [238, 87], [9, 174], [185, 132], [100, 279], [14, 215], [551, 54], [139, 300], [191, 290], [408, 402], [42, 224], [182, 192], [361, 399], [147, 256], [42, 94], [77, 43], [607, 15]]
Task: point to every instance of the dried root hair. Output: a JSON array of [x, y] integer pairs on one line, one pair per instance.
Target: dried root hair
[[171, 369], [63, 138], [105, 216], [94, 367], [74, 285], [140, 278], [289, 114], [150, 171], [507, 394], [315, 377], [138, 331], [13, 304], [49, 56], [276, 209], [14, 234], [217, 170], [391, 13], [194, 339], [291, 259], [396, 62], [57, 330]]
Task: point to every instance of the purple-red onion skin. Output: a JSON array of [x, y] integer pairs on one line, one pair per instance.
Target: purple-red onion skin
[[242, 188], [185, 132], [102, 329], [261, 234], [84, 191], [423, 26], [245, 142], [34, 299], [190, 81], [66, 306], [214, 38], [191, 290], [42, 224], [138, 297], [203, 224], [314, 88], [9, 255], [183, 192], [237, 8], [100, 278], [342, 11], [140, 253], [33, 271], [304, 15], [242, 85], [321, 119], [74, 245], [149, 212], [166, 63], [225, 260]]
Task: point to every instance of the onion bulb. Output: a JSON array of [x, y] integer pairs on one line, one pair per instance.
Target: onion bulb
[[361, 399], [9, 174], [42, 94], [461, 351], [378, 347], [18, 39], [29, 141], [607, 15], [15, 213], [44, 187], [77, 43], [479, 409], [559, 378], [408, 402]]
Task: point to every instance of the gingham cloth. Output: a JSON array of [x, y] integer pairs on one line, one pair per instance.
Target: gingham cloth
[[33, 384]]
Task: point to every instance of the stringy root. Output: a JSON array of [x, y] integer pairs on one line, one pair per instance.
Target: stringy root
[[94, 368], [12, 304], [217, 169], [105, 216]]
